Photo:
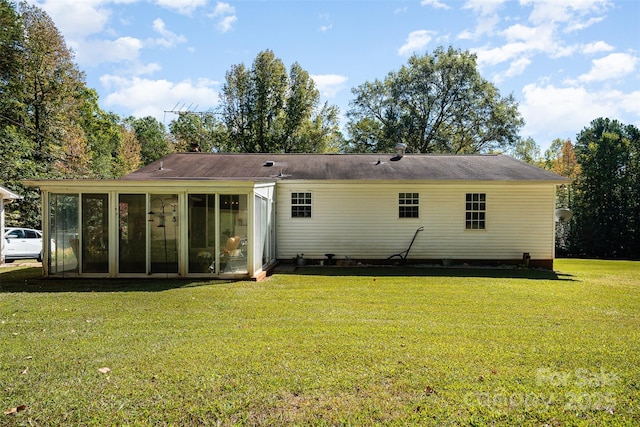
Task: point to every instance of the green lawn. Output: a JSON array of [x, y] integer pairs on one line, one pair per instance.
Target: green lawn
[[328, 346]]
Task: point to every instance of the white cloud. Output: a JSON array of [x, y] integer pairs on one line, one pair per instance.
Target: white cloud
[[326, 25], [168, 39], [223, 9], [536, 39], [516, 68], [484, 7], [488, 18], [226, 17], [435, 4], [581, 25], [146, 97], [575, 15], [137, 68], [416, 40], [466, 35], [329, 84], [95, 52], [498, 55], [541, 35], [226, 23], [183, 6], [567, 110], [596, 47], [76, 19], [610, 67]]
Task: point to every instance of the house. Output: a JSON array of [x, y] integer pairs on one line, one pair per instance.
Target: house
[[6, 196], [235, 215]]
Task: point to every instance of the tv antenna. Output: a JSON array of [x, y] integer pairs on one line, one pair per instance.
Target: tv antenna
[[183, 110]]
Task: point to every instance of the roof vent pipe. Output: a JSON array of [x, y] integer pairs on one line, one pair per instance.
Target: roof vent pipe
[[400, 149]]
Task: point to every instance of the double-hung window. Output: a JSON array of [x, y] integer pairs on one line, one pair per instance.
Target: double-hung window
[[300, 205], [408, 205], [476, 210]]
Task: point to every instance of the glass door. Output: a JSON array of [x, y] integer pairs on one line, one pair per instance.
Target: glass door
[[163, 233], [233, 233], [202, 233], [95, 233], [63, 233], [132, 224]]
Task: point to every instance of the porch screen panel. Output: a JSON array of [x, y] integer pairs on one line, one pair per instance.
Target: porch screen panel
[[163, 233], [95, 233], [233, 233], [202, 233], [261, 230], [132, 245], [63, 233]]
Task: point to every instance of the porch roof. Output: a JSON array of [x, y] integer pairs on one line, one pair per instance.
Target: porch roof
[[6, 194], [270, 167]]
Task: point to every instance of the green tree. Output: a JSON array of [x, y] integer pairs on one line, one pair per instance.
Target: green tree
[[51, 85], [39, 104], [526, 150], [103, 132], [607, 191], [237, 108], [561, 158], [128, 157], [11, 49], [435, 104], [266, 109], [198, 132], [152, 137]]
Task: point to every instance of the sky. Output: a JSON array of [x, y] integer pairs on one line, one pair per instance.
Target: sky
[[566, 62]]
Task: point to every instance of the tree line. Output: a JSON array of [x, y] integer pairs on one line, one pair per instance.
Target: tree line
[[52, 126]]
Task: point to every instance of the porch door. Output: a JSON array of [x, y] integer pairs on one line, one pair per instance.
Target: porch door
[[163, 233], [202, 233], [95, 233], [262, 231], [63, 233], [234, 239], [132, 245]]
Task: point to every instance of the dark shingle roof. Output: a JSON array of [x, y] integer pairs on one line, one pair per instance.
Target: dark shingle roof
[[270, 167]]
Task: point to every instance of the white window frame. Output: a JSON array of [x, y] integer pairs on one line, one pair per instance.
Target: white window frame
[[475, 211], [301, 204], [408, 205]]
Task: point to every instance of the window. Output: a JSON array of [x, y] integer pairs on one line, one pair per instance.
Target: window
[[408, 205], [15, 234], [300, 205], [476, 207], [31, 234]]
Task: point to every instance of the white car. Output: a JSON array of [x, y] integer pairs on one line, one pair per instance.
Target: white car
[[22, 243]]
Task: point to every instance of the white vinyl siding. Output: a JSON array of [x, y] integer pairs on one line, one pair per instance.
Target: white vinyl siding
[[360, 221]]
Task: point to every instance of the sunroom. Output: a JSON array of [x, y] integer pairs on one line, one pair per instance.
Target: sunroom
[[157, 228]]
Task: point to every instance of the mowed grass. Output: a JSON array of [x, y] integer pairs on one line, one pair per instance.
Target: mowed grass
[[326, 347]]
